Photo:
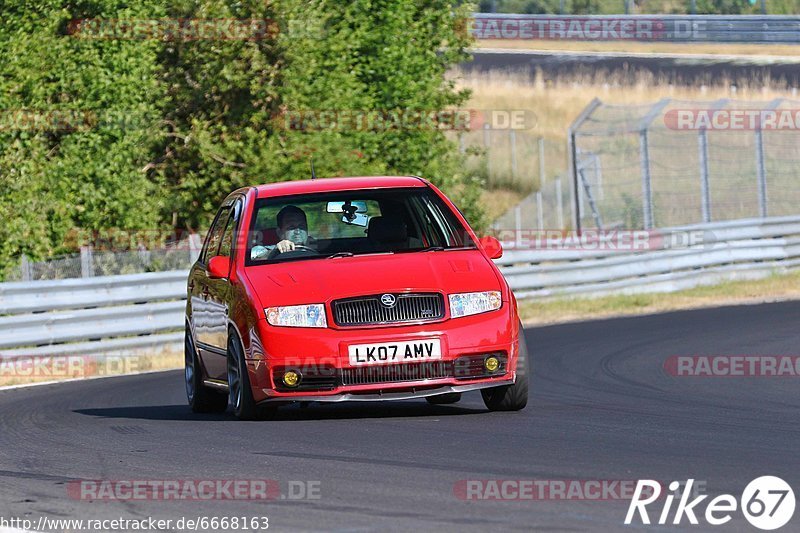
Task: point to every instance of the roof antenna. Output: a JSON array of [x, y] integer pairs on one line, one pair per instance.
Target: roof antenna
[[313, 174]]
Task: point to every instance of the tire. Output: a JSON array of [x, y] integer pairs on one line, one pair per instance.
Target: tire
[[201, 399], [511, 397], [444, 399], [240, 392]]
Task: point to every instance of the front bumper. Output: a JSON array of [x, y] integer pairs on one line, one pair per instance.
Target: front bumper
[[467, 338], [415, 392]]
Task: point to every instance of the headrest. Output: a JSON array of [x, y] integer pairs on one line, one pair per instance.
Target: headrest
[[387, 230]]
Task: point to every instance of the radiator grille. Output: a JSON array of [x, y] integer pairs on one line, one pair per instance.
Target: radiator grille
[[368, 310], [396, 373]]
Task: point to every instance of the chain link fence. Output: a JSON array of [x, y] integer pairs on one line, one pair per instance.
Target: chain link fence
[[684, 162], [90, 262]]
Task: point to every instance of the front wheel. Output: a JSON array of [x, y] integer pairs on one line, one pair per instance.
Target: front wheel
[[241, 395], [511, 397]]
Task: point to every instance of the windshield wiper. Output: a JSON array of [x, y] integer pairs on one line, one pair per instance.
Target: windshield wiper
[[340, 254], [433, 249]]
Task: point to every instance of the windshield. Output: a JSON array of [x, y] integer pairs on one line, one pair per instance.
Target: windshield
[[324, 225]]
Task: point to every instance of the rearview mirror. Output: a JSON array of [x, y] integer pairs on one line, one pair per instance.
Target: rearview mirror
[[219, 267], [492, 247], [339, 207], [356, 220]]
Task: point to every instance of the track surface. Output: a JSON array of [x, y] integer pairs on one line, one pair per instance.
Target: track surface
[[602, 408], [679, 69]]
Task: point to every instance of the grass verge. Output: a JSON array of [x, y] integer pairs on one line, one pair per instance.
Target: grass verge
[[43, 369], [778, 287]]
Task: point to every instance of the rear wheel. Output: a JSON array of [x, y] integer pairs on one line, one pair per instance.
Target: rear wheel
[[444, 399], [201, 398], [511, 397]]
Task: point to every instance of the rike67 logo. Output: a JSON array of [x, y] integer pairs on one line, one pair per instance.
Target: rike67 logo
[[767, 503]]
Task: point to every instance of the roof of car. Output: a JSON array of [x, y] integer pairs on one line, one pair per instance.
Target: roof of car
[[285, 188]]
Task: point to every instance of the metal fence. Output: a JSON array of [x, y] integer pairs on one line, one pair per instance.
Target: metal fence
[[676, 162], [119, 314], [649, 28], [741, 249], [517, 159], [91, 262], [582, 7]]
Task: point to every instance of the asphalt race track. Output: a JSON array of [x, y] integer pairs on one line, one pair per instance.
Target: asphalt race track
[[680, 69], [602, 409]]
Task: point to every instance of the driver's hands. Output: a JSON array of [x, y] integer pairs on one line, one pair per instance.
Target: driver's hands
[[285, 246]]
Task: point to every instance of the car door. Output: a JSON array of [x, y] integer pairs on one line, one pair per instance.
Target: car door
[[199, 287], [219, 302]]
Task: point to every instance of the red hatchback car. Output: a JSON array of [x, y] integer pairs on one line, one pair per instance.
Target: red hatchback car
[[366, 288]]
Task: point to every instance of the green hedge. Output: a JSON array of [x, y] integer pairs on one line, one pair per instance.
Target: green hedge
[[162, 130]]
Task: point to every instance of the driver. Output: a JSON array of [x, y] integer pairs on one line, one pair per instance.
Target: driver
[[292, 230]]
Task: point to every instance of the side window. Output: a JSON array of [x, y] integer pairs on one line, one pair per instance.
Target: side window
[[226, 245], [215, 235]]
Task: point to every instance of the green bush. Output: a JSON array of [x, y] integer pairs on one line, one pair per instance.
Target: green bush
[[172, 126]]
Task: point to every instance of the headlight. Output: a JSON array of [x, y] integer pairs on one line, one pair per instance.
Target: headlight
[[301, 316], [472, 303]]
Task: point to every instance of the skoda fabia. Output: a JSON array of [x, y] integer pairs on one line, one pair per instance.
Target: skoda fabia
[[366, 288]]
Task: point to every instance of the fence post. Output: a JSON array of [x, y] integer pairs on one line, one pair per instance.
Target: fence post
[[87, 270], [761, 173], [705, 193], [513, 138], [572, 151], [518, 226], [559, 204], [195, 246], [539, 211], [26, 268], [647, 191], [541, 163], [487, 141]]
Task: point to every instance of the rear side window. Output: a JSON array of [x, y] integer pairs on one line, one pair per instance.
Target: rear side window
[[214, 238]]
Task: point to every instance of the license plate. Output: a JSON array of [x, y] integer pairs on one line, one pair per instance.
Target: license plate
[[395, 352]]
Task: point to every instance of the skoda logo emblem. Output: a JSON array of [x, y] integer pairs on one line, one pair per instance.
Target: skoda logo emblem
[[388, 300]]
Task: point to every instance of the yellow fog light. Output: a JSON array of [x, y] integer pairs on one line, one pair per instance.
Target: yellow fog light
[[491, 364], [291, 378]]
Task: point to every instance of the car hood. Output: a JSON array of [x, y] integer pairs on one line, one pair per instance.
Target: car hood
[[322, 280]]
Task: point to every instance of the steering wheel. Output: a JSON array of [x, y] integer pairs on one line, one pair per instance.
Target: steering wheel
[[299, 251]]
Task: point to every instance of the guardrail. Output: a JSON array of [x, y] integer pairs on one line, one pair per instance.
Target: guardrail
[[738, 249], [123, 313], [665, 28], [92, 315]]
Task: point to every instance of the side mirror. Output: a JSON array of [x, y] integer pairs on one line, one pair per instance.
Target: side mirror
[[492, 247], [219, 267]]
